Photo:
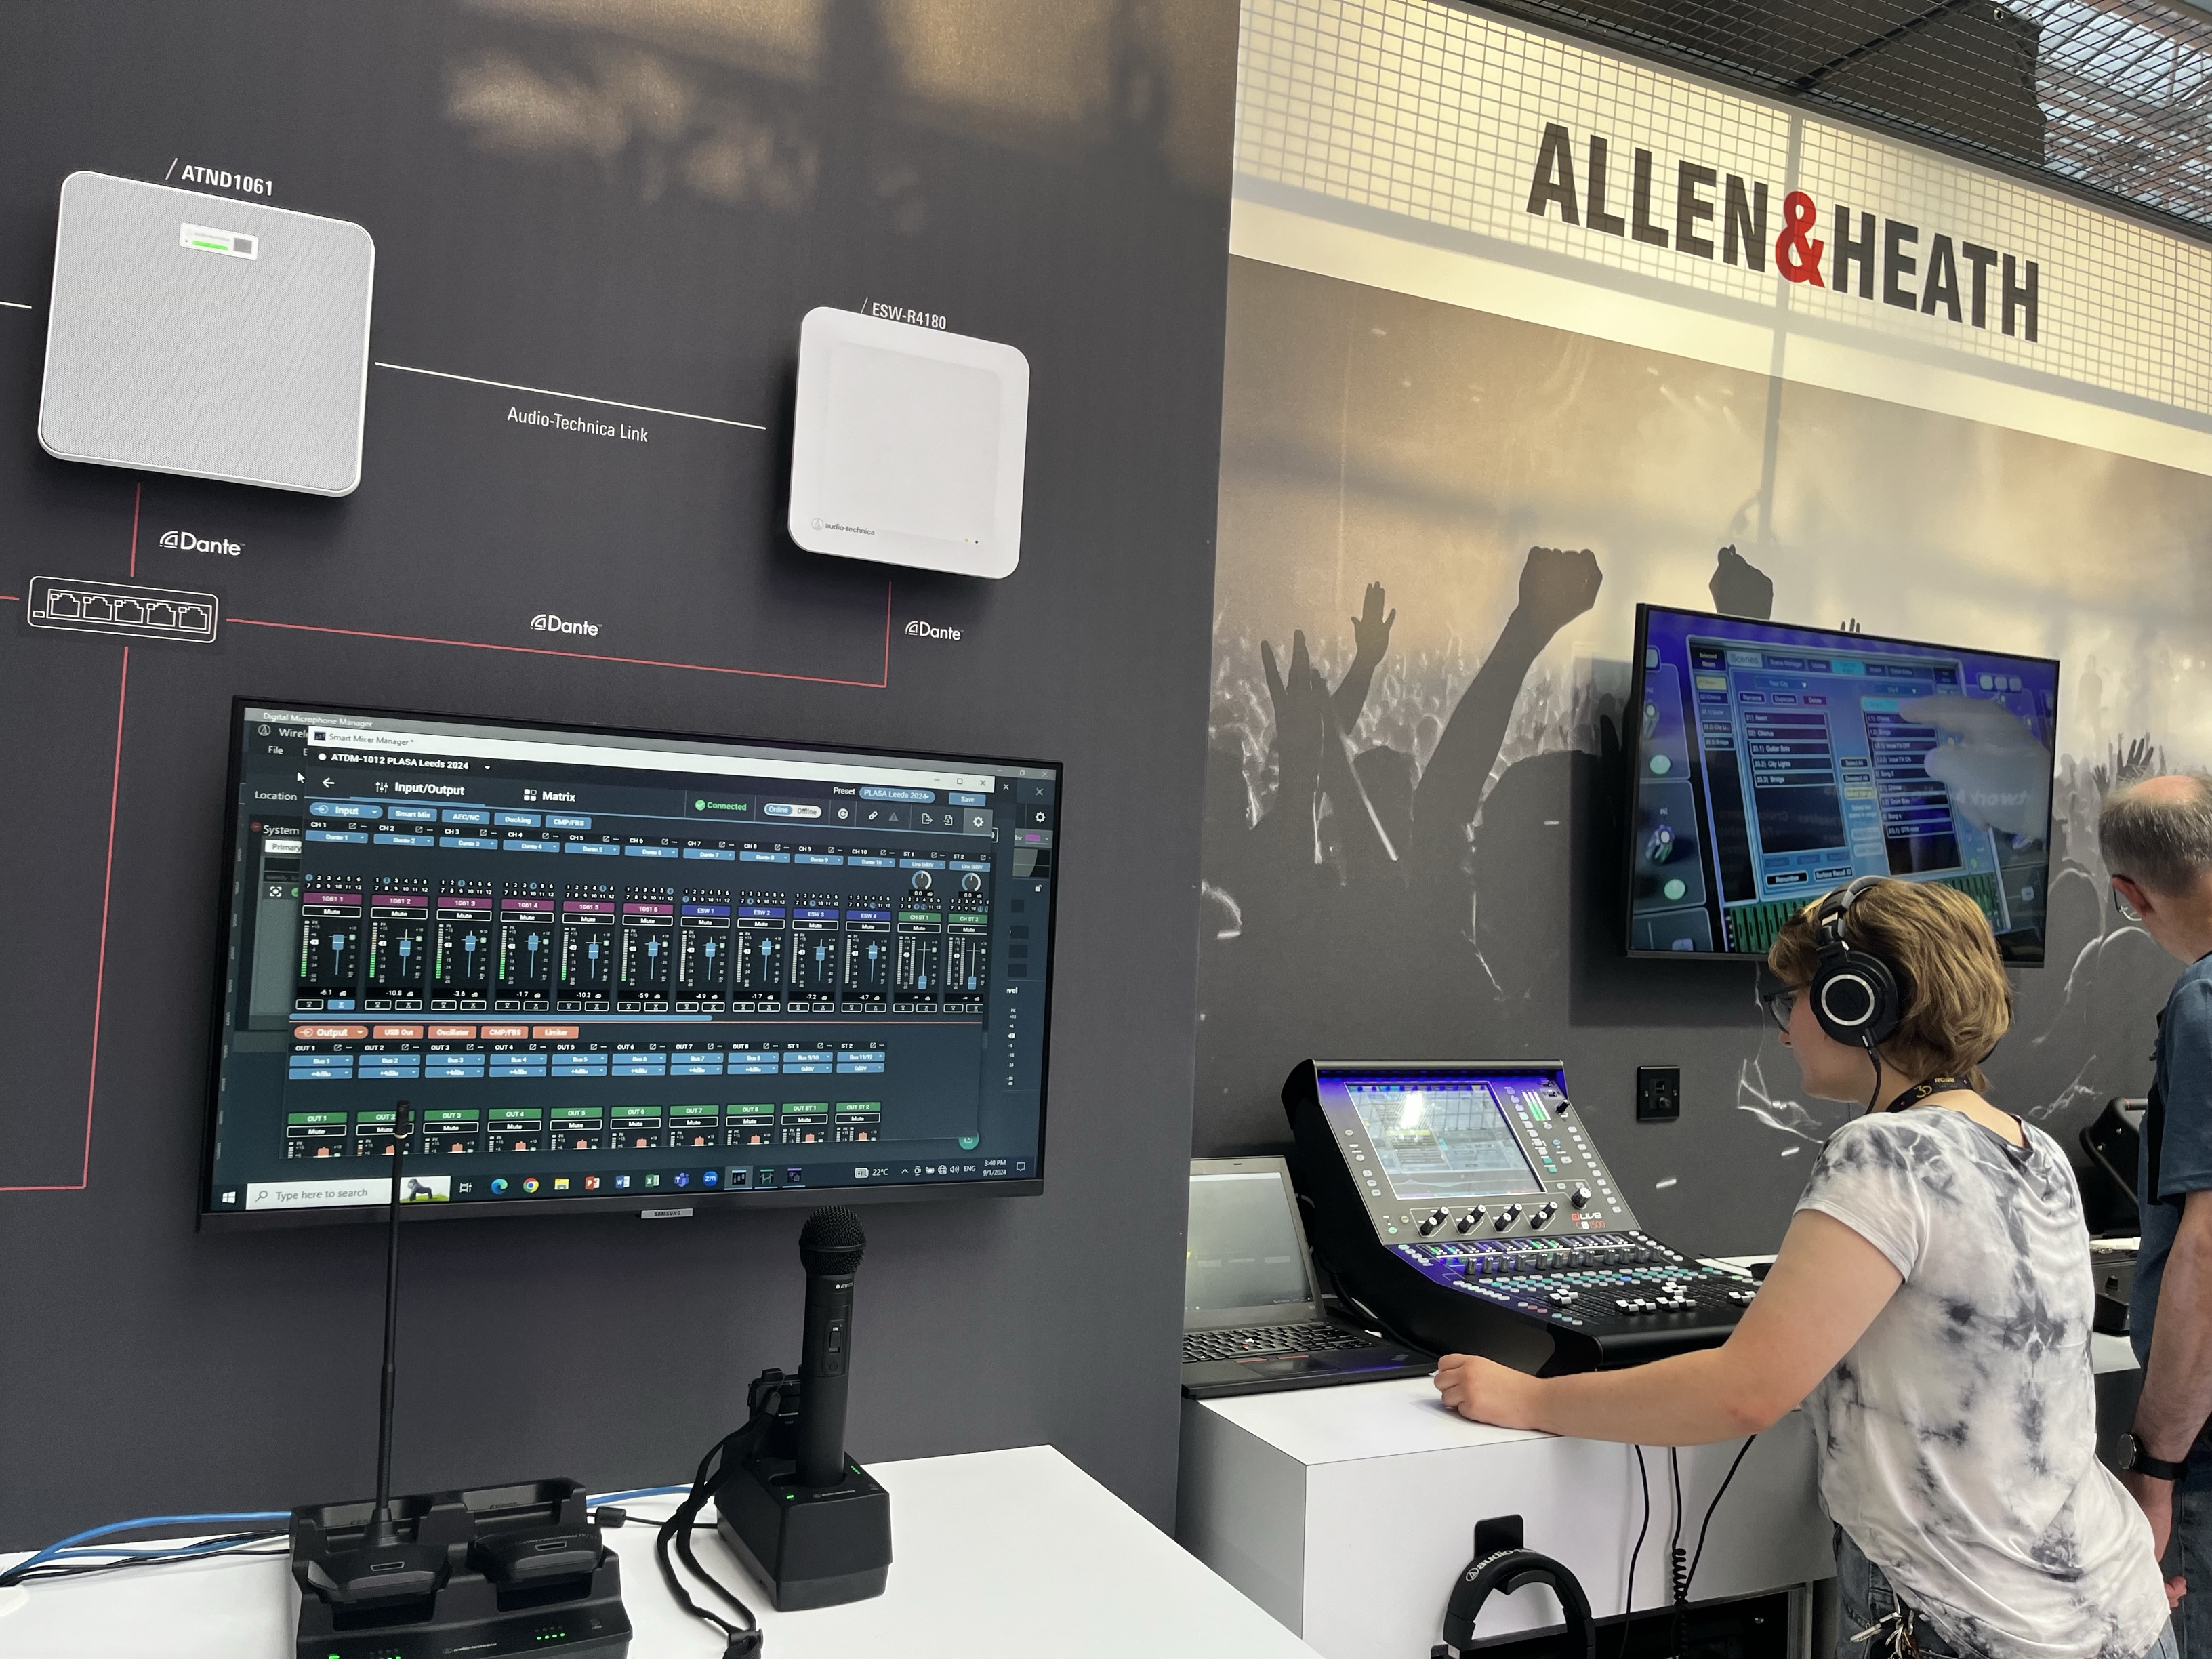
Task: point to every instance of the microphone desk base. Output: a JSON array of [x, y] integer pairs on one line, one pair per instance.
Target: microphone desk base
[[814, 1547]]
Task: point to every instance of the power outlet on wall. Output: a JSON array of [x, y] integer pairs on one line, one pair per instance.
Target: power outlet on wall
[[1658, 1094]]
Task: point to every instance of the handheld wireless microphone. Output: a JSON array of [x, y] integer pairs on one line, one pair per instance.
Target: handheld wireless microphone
[[831, 1246], [813, 1526]]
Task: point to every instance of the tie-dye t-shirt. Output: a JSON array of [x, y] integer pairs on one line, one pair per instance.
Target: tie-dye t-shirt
[[1957, 1439]]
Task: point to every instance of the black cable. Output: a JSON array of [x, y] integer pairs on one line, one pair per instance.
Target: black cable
[[206, 1550], [1628, 1600], [1699, 1554], [1674, 1536], [1375, 1321], [1678, 1575], [54, 1569], [381, 1534]]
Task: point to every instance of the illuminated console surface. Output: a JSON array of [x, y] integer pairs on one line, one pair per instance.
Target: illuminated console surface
[[1468, 1205]]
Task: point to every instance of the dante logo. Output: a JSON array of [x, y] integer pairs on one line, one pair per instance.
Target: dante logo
[[919, 629], [186, 541], [546, 622]]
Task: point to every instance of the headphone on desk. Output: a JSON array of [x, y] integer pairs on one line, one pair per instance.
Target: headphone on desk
[[1506, 1571], [1855, 995]]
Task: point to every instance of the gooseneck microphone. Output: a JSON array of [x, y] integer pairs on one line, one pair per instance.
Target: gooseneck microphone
[[380, 1530], [830, 1246], [384, 1569]]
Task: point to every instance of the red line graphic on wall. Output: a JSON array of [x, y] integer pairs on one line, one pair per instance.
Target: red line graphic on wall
[[99, 974], [882, 682]]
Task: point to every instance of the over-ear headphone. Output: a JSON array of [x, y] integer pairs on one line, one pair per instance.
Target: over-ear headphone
[[1507, 1570], [1855, 995]]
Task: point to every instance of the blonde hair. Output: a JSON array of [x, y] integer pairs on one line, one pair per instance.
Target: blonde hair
[[1938, 946]]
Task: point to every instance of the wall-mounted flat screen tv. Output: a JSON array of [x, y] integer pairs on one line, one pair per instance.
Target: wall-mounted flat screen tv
[[571, 968], [1772, 763]]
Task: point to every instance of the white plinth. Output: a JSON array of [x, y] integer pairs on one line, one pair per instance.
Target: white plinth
[[1348, 1512]]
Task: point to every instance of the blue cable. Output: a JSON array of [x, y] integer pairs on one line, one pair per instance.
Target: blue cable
[[118, 1550], [51, 1551], [640, 1492], [68, 1548]]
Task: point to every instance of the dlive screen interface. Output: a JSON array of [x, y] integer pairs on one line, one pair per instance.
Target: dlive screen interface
[[1774, 763], [1447, 1138], [620, 970]]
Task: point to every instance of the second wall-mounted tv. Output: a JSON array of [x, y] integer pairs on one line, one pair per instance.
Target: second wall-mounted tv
[[1773, 764]]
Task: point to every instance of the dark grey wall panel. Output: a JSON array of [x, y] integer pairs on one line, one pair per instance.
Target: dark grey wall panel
[[635, 202]]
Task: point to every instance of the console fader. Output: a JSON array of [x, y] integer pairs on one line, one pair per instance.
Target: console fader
[[1468, 1206]]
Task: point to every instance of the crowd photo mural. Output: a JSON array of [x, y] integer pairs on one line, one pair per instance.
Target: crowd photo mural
[[1434, 527]]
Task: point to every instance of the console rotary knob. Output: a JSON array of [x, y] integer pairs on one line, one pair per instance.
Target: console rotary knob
[[1431, 1222], [1468, 1222], [923, 881], [1542, 1216], [1580, 1196], [1507, 1217], [969, 883]]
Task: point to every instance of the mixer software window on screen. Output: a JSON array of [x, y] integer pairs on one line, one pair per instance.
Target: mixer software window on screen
[[615, 967], [1778, 762]]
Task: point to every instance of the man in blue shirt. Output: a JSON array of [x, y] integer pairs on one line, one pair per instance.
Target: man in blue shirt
[[2156, 837]]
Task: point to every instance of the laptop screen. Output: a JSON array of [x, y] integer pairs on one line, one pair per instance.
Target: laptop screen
[[1244, 1244]]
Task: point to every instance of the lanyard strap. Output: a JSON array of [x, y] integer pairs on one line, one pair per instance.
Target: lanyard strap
[[676, 1533], [1920, 1091]]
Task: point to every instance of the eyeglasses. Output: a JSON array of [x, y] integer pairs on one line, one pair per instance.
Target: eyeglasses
[[1779, 1005], [2127, 911]]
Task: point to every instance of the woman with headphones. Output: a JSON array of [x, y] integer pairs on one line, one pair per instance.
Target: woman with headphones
[[1929, 1309]]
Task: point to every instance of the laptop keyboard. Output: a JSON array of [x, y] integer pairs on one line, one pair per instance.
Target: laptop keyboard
[[1269, 1339]]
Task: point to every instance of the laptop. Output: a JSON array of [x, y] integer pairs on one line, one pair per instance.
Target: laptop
[[1252, 1318]]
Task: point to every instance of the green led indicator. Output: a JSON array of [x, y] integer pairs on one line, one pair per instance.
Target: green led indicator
[[218, 247]]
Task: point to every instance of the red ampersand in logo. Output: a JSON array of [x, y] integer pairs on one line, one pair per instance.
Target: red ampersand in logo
[[1796, 253]]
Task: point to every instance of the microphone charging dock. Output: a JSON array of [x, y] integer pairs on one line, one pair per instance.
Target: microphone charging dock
[[525, 1569], [813, 1547]]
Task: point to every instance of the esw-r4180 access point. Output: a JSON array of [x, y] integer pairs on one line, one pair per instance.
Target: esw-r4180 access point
[[205, 336], [907, 445]]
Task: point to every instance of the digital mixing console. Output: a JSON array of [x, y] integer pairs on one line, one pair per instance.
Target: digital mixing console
[[1466, 1204]]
